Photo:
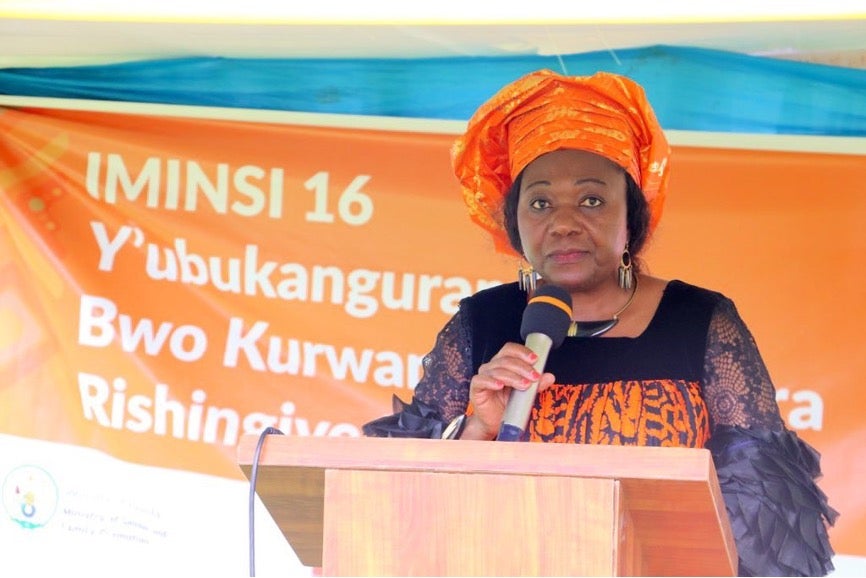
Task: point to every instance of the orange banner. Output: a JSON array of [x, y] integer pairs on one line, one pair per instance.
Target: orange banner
[[168, 284]]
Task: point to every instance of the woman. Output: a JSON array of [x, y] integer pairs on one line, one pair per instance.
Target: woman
[[570, 174]]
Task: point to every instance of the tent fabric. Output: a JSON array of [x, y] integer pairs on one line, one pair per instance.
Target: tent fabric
[[690, 88]]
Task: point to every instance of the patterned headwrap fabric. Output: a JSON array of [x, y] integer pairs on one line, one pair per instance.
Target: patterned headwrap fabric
[[605, 113]]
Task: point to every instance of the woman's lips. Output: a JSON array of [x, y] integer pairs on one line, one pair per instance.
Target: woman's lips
[[561, 257]]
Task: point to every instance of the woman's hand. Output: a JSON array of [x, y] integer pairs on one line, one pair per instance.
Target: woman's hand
[[489, 390]]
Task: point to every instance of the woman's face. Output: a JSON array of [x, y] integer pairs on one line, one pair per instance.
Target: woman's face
[[571, 216]]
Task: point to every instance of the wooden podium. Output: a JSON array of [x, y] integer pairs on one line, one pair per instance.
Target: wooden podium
[[421, 507]]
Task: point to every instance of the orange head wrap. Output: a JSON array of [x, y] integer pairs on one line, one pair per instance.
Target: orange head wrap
[[544, 111]]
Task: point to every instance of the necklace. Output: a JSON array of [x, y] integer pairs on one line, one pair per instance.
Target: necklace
[[596, 328]]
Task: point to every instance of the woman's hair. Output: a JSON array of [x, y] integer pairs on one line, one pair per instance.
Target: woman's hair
[[637, 217]]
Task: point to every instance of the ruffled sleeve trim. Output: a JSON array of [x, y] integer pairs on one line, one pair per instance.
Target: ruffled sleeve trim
[[409, 420], [778, 514]]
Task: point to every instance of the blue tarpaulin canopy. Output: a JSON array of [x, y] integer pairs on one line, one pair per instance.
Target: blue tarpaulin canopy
[[690, 88]]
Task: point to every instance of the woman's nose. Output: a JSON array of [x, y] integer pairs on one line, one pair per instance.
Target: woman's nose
[[564, 221]]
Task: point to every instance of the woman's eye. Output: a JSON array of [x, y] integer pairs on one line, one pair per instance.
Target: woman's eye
[[539, 204], [591, 202]]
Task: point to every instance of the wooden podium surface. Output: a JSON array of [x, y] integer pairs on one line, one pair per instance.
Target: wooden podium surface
[[385, 506]]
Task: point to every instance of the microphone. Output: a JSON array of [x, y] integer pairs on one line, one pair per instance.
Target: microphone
[[543, 327]]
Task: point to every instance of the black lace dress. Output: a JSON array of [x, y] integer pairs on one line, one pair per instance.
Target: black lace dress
[[693, 378]]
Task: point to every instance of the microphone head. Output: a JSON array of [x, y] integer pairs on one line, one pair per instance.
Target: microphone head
[[548, 312]]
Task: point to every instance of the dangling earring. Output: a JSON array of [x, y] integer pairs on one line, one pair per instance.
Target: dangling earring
[[526, 278], [625, 275]]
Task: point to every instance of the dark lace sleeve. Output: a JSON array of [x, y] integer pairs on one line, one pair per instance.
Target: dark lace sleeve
[[767, 474], [448, 369], [441, 394], [737, 386]]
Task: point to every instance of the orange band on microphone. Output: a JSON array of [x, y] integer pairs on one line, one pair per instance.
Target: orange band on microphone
[[551, 301]]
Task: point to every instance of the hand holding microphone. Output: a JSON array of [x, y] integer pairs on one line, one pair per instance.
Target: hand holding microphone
[[543, 327], [497, 389]]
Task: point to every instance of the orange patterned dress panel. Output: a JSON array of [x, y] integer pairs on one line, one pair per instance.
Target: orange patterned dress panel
[[640, 413]]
